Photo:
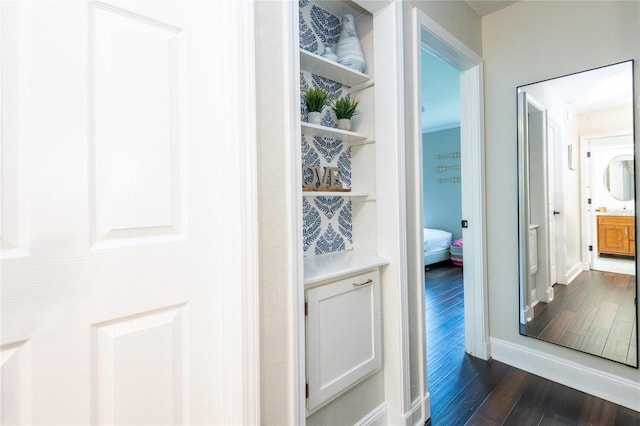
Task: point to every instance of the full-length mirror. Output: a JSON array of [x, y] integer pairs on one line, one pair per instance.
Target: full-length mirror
[[577, 212]]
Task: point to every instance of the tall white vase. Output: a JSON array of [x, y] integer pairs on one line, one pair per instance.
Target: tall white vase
[[348, 49]]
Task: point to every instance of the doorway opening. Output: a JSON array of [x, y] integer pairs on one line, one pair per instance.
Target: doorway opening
[[610, 157], [443, 244], [432, 38]]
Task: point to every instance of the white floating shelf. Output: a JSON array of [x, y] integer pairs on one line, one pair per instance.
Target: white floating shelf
[[330, 266], [316, 64], [355, 196], [353, 138]]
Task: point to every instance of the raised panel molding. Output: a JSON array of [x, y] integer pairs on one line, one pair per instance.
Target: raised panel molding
[[15, 383], [139, 368], [137, 144], [14, 89]]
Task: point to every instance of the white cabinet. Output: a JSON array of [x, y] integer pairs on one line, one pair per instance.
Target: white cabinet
[[343, 335]]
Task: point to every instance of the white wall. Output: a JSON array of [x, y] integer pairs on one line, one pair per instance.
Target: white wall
[[276, 243], [527, 42], [608, 121]]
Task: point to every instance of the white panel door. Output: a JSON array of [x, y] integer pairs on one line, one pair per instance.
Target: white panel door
[[120, 273]]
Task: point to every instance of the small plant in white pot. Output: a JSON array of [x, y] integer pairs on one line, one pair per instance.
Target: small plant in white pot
[[345, 108], [315, 100]]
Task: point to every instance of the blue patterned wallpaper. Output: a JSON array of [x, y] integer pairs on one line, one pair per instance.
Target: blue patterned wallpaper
[[327, 221]]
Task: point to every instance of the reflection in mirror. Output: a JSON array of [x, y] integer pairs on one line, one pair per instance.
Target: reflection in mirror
[[577, 221], [618, 177]]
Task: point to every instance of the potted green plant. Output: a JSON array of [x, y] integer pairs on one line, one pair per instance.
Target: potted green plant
[[345, 108], [315, 100]]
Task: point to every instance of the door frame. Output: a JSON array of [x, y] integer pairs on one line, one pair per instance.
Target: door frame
[[470, 65], [589, 232], [559, 241]]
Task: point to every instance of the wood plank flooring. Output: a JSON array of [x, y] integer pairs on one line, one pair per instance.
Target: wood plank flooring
[[466, 390], [594, 314]]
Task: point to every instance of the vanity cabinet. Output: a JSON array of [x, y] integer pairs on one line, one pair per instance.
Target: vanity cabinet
[[616, 235], [343, 335]]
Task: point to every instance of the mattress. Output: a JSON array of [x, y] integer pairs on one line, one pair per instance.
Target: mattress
[[436, 240]]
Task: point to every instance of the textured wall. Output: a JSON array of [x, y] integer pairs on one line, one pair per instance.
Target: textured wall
[[327, 223]]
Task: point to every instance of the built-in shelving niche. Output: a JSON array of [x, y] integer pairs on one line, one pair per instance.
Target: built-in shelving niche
[[343, 222]]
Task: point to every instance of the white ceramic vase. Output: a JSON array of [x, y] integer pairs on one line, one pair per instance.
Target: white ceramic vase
[[315, 117], [349, 51], [344, 124]]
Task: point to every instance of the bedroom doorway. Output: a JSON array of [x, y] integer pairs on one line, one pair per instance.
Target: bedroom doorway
[[469, 178], [436, 40], [442, 216], [431, 37]]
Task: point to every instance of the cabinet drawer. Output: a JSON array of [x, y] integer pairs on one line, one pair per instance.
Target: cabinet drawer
[[343, 335], [616, 220]]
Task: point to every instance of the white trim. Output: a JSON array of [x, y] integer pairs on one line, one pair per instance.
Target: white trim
[[291, 133], [574, 271], [420, 411], [616, 389], [448, 47], [472, 147], [250, 272], [416, 253], [376, 417], [391, 211]]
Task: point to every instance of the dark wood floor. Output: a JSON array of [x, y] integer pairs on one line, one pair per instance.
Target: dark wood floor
[[595, 314], [466, 390]]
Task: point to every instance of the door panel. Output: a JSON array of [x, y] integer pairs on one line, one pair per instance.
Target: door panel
[[138, 114], [113, 309]]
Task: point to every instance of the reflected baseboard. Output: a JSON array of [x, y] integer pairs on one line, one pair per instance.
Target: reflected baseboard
[[616, 389], [574, 271], [618, 265]]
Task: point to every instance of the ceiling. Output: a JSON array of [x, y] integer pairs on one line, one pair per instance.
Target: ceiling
[[483, 7], [602, 88]]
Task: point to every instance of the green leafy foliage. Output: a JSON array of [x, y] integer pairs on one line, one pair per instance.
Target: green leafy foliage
[[316, 99], [345, 107]]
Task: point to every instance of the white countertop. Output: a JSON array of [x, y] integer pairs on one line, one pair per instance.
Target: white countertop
[[616, 213], [334, 265]]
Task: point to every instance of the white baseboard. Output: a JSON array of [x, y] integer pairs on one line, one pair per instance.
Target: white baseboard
[[376, 417], [420, 411], [573, 272], [616, 389]]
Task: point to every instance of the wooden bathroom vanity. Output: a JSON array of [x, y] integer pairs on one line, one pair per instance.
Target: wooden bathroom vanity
[[617, 235]]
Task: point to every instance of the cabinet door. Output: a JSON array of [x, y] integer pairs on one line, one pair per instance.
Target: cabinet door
[[613, 239], [343, 335]]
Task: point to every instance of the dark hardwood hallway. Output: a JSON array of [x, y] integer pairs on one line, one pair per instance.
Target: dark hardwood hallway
[[465, 390], [595, 314]]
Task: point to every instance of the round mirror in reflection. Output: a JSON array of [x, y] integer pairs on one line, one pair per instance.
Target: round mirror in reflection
[[619, 177]]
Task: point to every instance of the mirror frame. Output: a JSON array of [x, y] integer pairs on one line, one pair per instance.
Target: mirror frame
[[607, 171], [522, 104]]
